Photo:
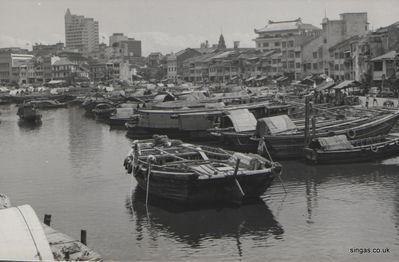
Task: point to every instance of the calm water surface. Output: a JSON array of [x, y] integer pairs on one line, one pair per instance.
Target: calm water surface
[[71, 167]]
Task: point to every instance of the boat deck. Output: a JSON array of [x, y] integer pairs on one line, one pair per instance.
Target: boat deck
[[61, 245]]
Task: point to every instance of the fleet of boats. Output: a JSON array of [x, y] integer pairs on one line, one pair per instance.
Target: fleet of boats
[[248, 130]]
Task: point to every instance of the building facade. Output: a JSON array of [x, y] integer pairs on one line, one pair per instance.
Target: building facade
[[81, 33], [287, 37], [124, 47], [12, 58], [316, 57]]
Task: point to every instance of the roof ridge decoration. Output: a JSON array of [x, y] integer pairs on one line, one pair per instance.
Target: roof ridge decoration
[[286, 21]]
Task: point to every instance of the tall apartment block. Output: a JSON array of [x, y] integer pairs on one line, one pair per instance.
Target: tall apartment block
[[81, 33]]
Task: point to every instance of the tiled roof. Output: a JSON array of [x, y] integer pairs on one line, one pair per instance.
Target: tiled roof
[[63, 61], [286, 26]]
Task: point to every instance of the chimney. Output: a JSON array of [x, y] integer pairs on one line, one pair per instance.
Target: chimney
[[236, 44]]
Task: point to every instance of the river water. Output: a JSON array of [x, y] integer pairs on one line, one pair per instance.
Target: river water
[[71, 167]]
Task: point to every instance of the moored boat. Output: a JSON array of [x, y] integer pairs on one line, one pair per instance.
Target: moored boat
[[235, 128], [188, 124], [338, 149], [290, 143], [188, 173], [103, 110], [29, 113], [121, 116], [47, 104]]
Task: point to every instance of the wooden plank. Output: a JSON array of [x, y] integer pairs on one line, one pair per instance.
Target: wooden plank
[[61, 244]]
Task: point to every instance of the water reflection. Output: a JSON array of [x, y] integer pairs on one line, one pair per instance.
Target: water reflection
[[193, 225], [26, 126]]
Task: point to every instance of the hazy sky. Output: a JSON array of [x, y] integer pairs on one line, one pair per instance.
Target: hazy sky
[[171, 25]]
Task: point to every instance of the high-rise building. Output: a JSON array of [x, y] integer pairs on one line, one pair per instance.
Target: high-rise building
[[81, 33]]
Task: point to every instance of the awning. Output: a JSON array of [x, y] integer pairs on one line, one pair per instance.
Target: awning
[[387, 56], [242, 120], [325, 85], [261, 78], [250, 79], [280, 79], [56, 82], [346, 84]]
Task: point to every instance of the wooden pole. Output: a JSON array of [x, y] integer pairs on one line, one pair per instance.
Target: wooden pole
[[307, 100], [83, 237], [47, 219], [313, 127], [235, 178]]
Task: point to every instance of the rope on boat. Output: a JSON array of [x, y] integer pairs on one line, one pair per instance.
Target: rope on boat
[[271, 160]]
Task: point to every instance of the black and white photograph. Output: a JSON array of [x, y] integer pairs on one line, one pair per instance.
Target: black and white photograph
[[199, 130]]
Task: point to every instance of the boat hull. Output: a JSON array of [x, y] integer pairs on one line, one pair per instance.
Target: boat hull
[[291, 146], [193, 190], [241, 142], [351, 156]]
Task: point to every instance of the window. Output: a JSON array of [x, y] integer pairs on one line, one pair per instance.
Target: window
[[336, 55], [291, 64], [284, 64], [283, 44], [265, 44], [298, 65], [314, 66], [291, 43], [276, 43], [336, 67], [291, 54], [341, 55], [297, 54], [314, 54], [325, 40]]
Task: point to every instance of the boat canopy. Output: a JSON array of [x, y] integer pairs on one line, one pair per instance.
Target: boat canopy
[[273, 125], [242, 120], [22, 236], [335, 143]]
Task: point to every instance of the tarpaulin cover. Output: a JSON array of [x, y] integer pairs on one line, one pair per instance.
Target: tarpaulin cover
[[273, 125], [335, 143], [242, 120]]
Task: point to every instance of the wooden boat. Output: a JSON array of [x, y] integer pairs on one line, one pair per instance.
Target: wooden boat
[[189, 124], [47, 104], [188, 173], [104, 110], [290, 144], [338, 149], [121, 116], [236, 128], [29, 113]]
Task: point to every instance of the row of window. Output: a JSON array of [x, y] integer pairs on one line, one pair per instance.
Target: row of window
[[277, 44]]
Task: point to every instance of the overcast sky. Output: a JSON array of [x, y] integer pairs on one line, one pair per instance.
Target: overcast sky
[[171, 25]]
